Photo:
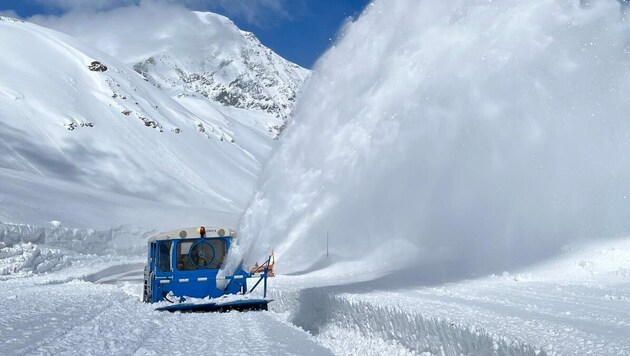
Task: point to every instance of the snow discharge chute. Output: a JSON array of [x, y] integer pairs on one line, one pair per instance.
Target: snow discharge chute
[[483, 132]]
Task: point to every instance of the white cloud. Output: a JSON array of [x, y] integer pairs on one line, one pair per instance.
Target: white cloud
[[86, 5], [143, 26], [9, 13], [253, 11], [150, 26], [258, 12]]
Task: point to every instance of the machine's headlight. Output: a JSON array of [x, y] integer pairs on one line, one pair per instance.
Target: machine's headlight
[[221, 232], [183, 234]]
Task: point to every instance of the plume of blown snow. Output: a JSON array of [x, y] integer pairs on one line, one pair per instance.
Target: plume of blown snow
[[480, 134]]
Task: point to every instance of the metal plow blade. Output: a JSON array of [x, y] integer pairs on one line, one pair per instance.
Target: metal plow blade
[[237, 305]]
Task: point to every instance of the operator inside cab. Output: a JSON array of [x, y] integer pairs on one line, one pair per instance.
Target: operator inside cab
[[201, 253]]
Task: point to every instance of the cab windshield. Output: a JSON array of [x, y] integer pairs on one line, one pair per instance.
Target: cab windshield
[[195, 254]]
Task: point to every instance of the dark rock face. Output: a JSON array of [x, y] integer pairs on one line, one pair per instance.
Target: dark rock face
[[71, 126], [97, 66]]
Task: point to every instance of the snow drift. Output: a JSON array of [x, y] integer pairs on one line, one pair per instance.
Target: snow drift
[[482, 133]]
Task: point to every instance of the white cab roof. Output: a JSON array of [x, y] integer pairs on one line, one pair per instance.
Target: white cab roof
[[193, 232]]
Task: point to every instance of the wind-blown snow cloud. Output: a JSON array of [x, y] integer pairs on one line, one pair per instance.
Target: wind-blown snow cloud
[[85, 5], [144, 27], [260, 12], [9, 13], [481, 135], [146, 24], [253, 11]]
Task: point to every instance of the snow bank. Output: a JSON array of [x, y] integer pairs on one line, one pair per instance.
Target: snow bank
[[25, 259], [124, 240], [484, 134], [385, 329], [26, 250]]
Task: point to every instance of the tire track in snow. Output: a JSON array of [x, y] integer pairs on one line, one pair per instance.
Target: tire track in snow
[[50, 346], [54, 320], [101, 319]]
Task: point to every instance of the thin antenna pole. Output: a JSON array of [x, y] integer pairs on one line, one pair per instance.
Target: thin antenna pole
[[326, 243]]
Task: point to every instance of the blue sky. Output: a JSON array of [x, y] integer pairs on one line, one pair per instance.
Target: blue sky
[[303, 38], [299, 30]]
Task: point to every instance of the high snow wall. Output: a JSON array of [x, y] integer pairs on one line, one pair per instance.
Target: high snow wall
[[477, 134], [26, 249]]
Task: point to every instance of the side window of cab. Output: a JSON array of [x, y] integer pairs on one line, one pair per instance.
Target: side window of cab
[[164, 256]]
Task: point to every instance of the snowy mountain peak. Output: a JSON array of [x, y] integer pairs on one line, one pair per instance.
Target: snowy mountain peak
[[228, 66]]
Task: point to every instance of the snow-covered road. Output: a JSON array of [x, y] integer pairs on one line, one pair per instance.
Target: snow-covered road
[[575, 304], [101, 314], [85, 318]]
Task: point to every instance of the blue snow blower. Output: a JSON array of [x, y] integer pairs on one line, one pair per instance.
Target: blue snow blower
[[183, 266]]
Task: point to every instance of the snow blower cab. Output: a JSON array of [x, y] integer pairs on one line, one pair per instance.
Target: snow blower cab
[[183, 269]]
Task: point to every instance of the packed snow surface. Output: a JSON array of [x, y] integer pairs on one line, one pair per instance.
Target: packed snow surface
[[478, 134]]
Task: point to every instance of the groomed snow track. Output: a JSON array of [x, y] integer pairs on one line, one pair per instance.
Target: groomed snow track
[[375, 329]]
